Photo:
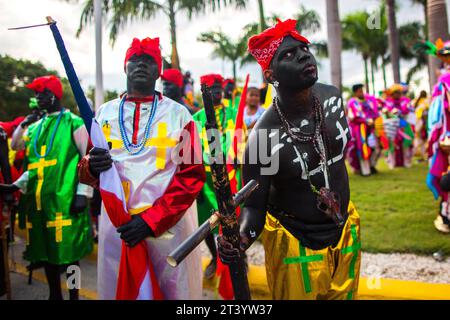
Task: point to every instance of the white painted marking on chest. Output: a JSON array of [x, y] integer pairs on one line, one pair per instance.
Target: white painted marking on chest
[[337, 106], [276, 148]]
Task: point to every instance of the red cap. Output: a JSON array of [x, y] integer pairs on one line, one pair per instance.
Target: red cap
[[227, 81], [264, 45], [146, 46], [173, 75], [210, 79], [51, 83]]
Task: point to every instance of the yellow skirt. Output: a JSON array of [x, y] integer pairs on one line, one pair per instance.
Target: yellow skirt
[[295, 272]]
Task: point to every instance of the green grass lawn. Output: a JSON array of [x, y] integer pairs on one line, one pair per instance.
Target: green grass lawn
[[397, 211]]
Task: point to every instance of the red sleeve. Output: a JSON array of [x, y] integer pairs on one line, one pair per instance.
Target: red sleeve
[[183, 189], [9, 127]]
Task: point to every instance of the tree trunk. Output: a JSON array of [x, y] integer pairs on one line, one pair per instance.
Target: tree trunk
[[425, 12], [234, 71], [393, 40], [366, 73], [99, 94], [175, 60], [334, 42], [262, 18], [372, 71], [383, 68], [437, 28]]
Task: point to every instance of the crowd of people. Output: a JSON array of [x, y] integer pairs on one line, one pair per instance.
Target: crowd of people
[[302, 212]]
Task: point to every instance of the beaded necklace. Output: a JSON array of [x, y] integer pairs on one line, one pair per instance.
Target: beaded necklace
[[327, 201], [135, 149], [303, 138]]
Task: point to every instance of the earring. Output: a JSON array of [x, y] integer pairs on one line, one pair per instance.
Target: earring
[[53, 100], [276, 84]]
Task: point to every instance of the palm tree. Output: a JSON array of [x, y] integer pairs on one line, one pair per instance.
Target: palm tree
[[334, 42], [410, 34], [123, 11], [357, 37], [425, 11], [437, 28], [394, 45], [262, 17], [225, 48]]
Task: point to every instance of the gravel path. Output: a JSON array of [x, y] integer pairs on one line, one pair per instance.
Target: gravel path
[[393, 265]]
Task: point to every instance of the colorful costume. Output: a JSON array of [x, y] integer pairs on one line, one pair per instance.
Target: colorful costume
[[421, 130], [438, 147], [157, 185], [363, 149], [53, 145], [399, 120]]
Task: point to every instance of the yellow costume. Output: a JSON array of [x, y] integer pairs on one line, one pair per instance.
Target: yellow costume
[[295, 272]]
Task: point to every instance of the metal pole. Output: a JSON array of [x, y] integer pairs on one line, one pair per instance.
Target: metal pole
[[99, 95]]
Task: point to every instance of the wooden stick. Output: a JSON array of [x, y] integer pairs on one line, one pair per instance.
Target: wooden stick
[[4, 240]]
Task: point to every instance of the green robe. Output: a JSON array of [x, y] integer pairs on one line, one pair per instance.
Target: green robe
[[206, 202], [54, 235]]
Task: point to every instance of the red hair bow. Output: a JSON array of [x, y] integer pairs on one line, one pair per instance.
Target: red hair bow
[[173, 75], [146, 46], [264, 45], [51, 83], [210, 79]]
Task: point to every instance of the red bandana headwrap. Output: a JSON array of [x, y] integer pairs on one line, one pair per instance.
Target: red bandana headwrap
[[51, 83], [227, 81], [173, 75], [264, 45], [210, 79], [146, 46]]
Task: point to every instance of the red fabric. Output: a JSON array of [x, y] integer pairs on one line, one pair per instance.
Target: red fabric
[[137, 117], [146, 46], [15, 174], [210, 79], [173, 75], [182, 190], [133, 260], [51, 83], [20, 155], [227, 81], [145, 99], [10, 126], [264, 45]]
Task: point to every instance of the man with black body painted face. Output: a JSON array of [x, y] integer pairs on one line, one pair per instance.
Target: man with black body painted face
[[53, 206], [155, 149], [309, 227], [173, 86]]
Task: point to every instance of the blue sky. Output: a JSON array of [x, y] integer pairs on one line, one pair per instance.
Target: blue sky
[[37, 44]]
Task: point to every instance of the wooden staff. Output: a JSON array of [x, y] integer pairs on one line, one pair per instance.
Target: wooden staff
[[188, 245], [4, 239], [225, 203]]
